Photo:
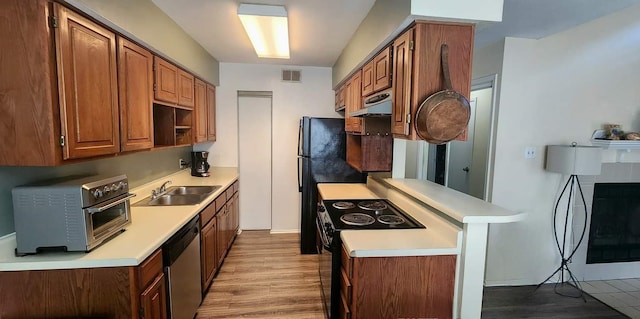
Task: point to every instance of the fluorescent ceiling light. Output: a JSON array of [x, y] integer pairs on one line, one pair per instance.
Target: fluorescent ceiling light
[[268, 29]]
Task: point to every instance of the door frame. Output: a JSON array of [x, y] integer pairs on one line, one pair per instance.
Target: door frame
[[258, 94], [489, 81]]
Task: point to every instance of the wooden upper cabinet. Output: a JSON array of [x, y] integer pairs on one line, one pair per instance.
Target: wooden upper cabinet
[[367, 78], [376, 74], [135, 75], [201, 111], [88, 86], [353, 103], [211, 113], [166, 81], [382, 70], [402, 62], [417, 69], [186, 90]]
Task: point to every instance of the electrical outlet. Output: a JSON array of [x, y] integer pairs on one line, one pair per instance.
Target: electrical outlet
[[530, 152], [182, 163]]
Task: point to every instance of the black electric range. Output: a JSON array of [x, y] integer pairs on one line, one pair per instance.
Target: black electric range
[[338, 215]]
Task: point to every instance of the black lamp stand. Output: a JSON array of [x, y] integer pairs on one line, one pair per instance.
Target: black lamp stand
[[571, 182]]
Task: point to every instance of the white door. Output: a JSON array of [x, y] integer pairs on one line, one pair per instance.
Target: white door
[[254, 139], [459, 157]]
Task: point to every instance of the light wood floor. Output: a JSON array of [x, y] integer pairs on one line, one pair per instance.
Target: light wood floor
[[265, 276]]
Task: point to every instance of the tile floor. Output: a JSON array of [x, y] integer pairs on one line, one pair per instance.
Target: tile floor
[[621, 294]]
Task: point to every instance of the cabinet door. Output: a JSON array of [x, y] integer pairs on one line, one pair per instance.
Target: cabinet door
[[221, 233], [88, 86], [356, 102], [208, 257], [236, 213], [211, 113], [135, 77], [166, 81], [201, 106], [367, 78], [186, 91], [348, 124], [381, 71], [402, 68], [154, 300]]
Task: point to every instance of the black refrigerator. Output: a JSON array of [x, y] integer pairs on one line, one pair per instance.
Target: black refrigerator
[[321, 159]]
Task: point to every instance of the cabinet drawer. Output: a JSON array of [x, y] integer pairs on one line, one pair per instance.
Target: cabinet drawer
[[345, 286], [150, 269], [229, 192], [207, 213], [347, 263], [236, 186], [220, 200]]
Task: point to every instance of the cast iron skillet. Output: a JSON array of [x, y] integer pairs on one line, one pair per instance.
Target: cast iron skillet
[[445, 114]]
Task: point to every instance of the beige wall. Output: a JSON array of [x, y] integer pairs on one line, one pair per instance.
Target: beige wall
[[144, 22], [381, 25]]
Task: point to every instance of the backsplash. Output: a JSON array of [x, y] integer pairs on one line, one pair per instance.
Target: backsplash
[[140, 168]]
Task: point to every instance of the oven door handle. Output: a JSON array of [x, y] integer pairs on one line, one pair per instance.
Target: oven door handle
[[323, 236], [93, 210]]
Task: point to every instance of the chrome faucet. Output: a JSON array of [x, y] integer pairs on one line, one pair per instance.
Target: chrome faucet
[[160, 190], [163, 188]]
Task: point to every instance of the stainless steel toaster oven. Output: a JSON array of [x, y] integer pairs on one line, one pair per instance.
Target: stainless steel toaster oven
[[76, 214]]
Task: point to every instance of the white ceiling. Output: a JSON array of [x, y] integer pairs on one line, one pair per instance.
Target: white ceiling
[[320, 29]]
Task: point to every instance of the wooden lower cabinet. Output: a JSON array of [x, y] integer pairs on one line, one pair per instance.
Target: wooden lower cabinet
[[208, 243], [111, 292], [397, 287]]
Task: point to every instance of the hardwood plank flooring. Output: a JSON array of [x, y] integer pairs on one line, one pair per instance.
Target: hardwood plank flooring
[[265, 276], [523, 302]]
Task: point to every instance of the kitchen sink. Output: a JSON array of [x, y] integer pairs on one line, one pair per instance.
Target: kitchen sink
[[180, 195], [192, 190]]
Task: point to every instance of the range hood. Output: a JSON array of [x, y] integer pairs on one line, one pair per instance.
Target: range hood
[[378, 104]]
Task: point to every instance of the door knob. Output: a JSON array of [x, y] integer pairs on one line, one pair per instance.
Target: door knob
[[466, 169]]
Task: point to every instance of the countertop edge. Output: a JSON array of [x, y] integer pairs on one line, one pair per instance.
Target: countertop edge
[[134, 257]]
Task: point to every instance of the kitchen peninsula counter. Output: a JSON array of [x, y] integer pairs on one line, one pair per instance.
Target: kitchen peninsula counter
[[438, 238], [150, 227], [456, 223]]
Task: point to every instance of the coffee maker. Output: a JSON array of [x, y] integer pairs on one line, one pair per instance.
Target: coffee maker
[[199, 164]]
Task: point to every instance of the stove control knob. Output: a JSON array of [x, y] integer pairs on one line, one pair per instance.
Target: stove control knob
[[97, 193], [114, 188], [124, 185], [106, 190], [321, 208]]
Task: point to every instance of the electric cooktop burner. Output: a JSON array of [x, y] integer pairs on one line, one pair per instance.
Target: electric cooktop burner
[[366, 214], [391, 219], [376, 205], [357, 219], [344, 205]]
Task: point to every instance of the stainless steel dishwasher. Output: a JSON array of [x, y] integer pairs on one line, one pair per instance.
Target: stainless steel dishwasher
[[181, 258]]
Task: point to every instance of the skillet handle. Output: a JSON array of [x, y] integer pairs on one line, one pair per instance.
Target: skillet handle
[[444, 55]]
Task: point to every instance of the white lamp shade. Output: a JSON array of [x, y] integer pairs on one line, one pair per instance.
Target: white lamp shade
[[574, 159]]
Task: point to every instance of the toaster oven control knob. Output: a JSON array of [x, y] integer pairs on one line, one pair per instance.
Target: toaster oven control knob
[[97, 193]]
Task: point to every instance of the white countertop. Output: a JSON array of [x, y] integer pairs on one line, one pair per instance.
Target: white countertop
[[459, 206], [150, 227], [438, 238]]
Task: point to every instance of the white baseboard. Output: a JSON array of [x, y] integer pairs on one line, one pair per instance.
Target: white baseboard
[[285, 231]]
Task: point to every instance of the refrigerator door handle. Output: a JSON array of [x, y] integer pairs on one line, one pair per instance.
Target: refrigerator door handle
[[299, 175], [300, 140]]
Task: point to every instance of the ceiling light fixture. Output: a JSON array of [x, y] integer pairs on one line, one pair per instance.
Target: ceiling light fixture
[[268, 29]]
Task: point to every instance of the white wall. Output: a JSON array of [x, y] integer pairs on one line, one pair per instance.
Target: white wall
[[313, 97], [553, 91]]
